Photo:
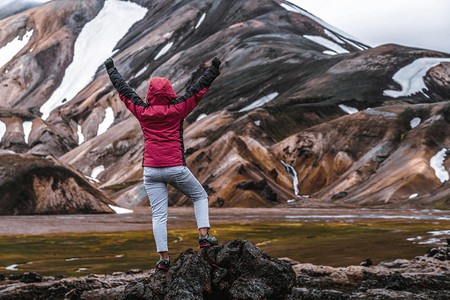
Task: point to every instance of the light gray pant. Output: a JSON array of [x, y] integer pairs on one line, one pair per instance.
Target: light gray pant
[[155, 181]]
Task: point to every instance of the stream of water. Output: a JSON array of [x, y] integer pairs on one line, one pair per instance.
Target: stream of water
[[77, 245]]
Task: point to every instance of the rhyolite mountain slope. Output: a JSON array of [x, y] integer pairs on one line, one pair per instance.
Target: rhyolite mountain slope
[[33, 185], [288, 82]]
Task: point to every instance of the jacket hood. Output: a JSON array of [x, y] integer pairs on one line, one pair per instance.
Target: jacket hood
[[160, 91]]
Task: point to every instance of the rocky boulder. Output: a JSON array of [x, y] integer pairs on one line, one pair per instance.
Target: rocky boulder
[[236, 270], [424, 277], [240, 270], [32, 184]]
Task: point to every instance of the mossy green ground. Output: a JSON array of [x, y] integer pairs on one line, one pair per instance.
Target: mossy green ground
[[335, 244]]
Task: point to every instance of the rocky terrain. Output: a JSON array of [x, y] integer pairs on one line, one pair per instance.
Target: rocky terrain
[[301, 111], [44, 185], [240, 270]]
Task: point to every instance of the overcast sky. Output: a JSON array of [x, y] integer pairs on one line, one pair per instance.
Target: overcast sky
[[416, 23]]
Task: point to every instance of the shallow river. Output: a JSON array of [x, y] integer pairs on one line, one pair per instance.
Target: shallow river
[[76, 245]]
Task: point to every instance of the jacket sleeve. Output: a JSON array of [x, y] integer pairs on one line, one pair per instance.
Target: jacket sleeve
[[186, 103], [132, 101]]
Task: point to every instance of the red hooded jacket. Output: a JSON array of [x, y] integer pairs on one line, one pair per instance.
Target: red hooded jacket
[[162, 118]]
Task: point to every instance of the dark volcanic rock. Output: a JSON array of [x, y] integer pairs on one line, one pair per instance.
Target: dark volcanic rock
[[240, 270], [91, 287], [424, 277], [29, 277], [236, 270]]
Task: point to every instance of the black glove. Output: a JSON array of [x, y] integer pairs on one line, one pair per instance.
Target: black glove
[[216, 62], [109, 63]]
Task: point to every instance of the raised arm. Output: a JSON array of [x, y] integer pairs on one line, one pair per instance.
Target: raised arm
[[133, 102], [194, 93]]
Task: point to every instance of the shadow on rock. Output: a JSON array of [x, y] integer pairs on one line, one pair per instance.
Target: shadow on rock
[[236, 270]]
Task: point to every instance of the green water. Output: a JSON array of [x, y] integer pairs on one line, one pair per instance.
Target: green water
[[335, 244]]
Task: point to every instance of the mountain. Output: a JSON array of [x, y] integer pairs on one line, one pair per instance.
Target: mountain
[[301, 114], [36, 185]]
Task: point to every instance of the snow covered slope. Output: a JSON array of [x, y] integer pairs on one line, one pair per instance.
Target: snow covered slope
[[358, 125], [95, 43]]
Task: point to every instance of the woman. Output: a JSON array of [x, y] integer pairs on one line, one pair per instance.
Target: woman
[[164, 163]]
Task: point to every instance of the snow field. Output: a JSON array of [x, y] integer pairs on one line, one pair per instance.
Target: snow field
[[201, 116], [411, 76], [80, 135], [27, 125], [164, 50], [348, 109], [260, 102], [107, 121], [2, 130], [415, 122], [437, 163], [120, 210], [12, 48], [200, 21], [94, 44], [335, 48], [141, 71], [333, 36], [96, 171]]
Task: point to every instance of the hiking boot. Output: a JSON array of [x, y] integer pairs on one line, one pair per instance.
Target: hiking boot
[[207, 241], [163, 264]]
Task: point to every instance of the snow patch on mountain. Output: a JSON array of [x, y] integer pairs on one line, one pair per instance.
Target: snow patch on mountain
[[94, 44], [8, 51], [27, 125], [80, 135], [107, 121], [348, 109], [260, 102], [201, 116], [141, 71], [120, 210], [333, 36], [415, 122], [96, 171], [164, 50], [411, 76], [2, 130], [326, 43], [200, 21], [437, 163]]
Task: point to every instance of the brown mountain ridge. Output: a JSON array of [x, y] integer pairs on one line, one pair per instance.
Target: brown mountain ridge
[[273, 54]]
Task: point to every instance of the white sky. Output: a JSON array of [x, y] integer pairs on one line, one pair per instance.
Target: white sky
[[416, 23]]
